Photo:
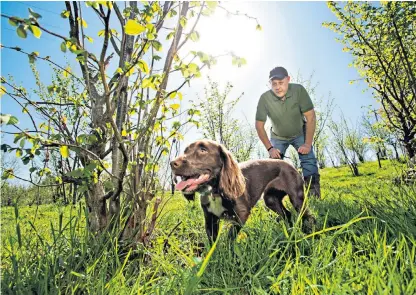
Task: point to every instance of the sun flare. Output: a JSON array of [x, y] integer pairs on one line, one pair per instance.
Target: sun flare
[[224, 33]]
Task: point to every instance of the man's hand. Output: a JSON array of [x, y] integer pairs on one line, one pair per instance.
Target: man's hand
[[304, 149], [274, 153]]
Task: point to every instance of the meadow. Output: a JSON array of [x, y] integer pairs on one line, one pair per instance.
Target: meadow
[[364, 242]]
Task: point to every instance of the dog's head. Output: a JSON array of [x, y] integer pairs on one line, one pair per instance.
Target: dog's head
[[207, 163]]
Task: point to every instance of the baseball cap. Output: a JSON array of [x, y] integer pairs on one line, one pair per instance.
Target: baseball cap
[[278, 73]]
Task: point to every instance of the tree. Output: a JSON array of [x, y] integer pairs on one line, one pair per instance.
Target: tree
[[218, 123], [344, 139], [323, 109], [355, 143], [382, 40], [120, 123], [379, 134]]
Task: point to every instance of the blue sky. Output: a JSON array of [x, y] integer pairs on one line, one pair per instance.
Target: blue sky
[[292, 37]]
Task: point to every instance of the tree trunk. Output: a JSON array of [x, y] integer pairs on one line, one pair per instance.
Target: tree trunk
[[126, 56], [97, 208], [378, 159], [396, 152], [409, 145], [354, 169]]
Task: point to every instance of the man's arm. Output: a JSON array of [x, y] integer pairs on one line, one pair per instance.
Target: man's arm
[[310, 131], [261, 132]]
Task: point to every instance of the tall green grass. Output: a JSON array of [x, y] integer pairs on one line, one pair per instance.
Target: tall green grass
[[364, 243]]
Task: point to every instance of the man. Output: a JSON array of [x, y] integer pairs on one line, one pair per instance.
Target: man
[[288, 105]]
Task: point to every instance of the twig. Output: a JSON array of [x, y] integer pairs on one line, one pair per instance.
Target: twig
[[18, 49]]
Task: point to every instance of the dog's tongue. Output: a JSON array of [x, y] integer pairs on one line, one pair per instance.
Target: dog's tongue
[[191, 183]]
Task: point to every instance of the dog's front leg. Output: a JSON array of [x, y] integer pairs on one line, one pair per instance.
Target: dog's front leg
[[241, 215], [234, 230], [212, 223]]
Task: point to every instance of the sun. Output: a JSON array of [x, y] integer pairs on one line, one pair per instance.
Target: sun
[[225, 33]]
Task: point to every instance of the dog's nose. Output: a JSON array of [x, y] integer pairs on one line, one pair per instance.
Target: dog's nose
[[175, 164]]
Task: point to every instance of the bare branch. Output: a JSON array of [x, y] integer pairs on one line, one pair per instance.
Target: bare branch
[[18, 49]]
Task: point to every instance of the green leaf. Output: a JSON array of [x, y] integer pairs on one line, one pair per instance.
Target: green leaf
[[8, 119], [170, 35], [7, 174], [84, 23], [26, 160], [36, 31], [143, 66], [107, 4], [21, 32], [18, 153], [13, 121], [13, 22], [63, 46], [185, 73], [193, 68], [146, 83], [183, 21], [151, 36], [212, 4], [34, 14], [76, 173], [203, 56], [101, 33], [90, 167], [114, 32], [51, 89], [157, 45], [66, 72], [65, 14], [92, 3], [78, 52], [258, 27], [194, 36], [133, 28], [175, 106], [172, 13], [64, 151], [2, 90], [130, 72], [91, 40]]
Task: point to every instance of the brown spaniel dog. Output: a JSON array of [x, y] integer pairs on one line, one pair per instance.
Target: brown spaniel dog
[[229, 190]]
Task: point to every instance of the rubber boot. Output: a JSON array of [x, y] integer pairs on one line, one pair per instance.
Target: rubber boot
[[313, 182]]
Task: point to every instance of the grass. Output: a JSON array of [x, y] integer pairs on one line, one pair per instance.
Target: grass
[[364, 243]]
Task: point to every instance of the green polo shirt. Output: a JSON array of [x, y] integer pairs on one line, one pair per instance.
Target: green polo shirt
[[286, 115]]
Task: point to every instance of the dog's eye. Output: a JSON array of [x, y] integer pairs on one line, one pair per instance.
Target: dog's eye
[[203, 149]]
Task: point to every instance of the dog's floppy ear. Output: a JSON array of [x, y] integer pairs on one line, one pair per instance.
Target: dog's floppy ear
[[232, 181]]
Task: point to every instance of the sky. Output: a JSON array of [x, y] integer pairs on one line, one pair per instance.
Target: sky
[[292, 36]]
